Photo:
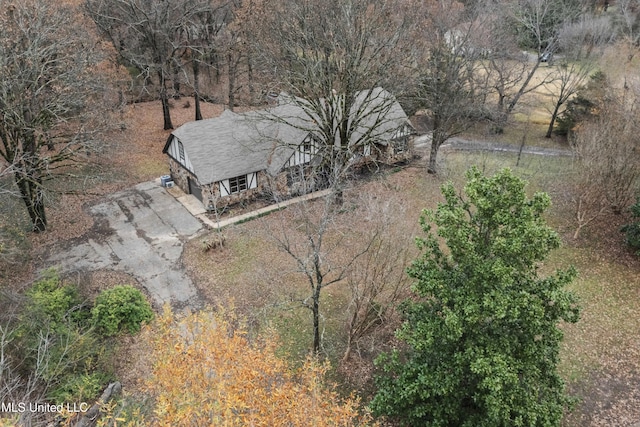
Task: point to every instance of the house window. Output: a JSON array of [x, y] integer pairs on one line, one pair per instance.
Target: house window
[[237, 184], [181, 151], [307, 145]]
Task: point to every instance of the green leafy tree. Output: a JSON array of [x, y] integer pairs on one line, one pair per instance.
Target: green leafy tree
[[482, 331], [121, 308], [584, 105]]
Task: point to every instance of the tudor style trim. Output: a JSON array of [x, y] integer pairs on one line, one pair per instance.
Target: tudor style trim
[[303, 153], [238, 184], [235, 157], [175, 149]]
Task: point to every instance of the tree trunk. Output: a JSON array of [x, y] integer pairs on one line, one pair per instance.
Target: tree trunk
[[196, 88], [338, 197], [351, 332], [215, 62], [576, 234], [316, 319], [166, 114], [176, 83], [437, 139], [232, 81], [431, 168], [554, 116], [501, 97], [516, 98], [252, 90], [88, 418], [33, 198], [522, 143]]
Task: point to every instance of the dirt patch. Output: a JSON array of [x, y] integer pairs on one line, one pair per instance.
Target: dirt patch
[[606, 398], [93, 282], [604, 236]]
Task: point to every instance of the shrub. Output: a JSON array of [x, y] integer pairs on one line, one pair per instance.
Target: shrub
[[55, 344], [234, 380], [80, 387], [632, 230], [52, 298], [121, 308], [53, 302]]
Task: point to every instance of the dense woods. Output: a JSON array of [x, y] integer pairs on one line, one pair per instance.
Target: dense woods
[[459, 63]]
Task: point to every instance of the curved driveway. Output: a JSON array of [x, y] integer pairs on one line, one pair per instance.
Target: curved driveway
[[140, 231]]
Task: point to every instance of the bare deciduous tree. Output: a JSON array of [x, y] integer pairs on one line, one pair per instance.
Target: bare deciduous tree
[[310, 250], [568, 77], [506, 65], [52, 96], [377, 283], [628, 18], [608, 158], [333, 245], [150, 36], [450, 86], [572, 70], [331, 58], [581, 38], [201, 34], [589, 203], [530, 24]]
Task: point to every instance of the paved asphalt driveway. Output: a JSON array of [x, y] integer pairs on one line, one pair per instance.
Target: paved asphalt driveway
[[140, 231]]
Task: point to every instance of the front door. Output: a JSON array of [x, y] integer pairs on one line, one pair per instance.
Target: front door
[[194, 189]]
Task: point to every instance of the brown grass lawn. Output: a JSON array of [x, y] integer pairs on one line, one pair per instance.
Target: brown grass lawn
[[262, 281], [600, 355]]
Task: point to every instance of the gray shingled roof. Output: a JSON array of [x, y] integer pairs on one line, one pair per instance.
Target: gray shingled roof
[[236, 144], [384, 115]]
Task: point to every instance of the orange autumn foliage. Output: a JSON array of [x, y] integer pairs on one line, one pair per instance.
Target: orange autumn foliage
[[208, 371]]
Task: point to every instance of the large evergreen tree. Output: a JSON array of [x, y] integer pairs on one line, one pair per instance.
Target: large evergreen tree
[[482, 331]]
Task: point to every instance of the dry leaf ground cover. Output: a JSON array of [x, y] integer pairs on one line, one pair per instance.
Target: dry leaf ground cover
[[600, 355]]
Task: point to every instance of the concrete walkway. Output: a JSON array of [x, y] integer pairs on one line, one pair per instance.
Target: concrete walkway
[[140, 231], [196, 208]]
